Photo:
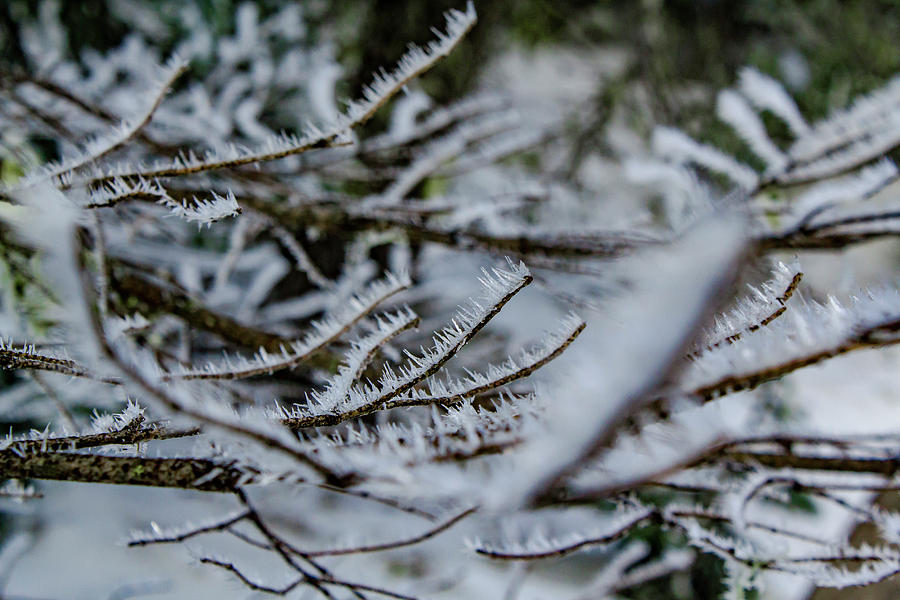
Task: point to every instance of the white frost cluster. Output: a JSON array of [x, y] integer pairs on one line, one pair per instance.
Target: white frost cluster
[[322, 332], [498, 286], [680, 148], [205, 212]]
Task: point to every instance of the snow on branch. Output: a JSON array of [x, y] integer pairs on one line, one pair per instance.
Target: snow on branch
[[499, 286], [158, 535], [443, 150], [807, 334], [825, 567], [694, 278], [301, 257], [117, 190], [539, 544], [416, 61], [204, 212], [680, 148], [444, 392], [364, 549], [859, 185], [873, 115], [766, 93], [27, 357], [756, 310], [121, 135], [734, 110], [361, 352], [457, 434], [200, 211], [412, 64], [323, 332]]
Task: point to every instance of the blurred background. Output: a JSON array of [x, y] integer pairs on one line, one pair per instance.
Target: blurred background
[[647, 61]]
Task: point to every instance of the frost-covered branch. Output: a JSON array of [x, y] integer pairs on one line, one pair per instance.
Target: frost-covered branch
[[499, 288], [98, 148], [27, 357], [385, 85], [323, 333]]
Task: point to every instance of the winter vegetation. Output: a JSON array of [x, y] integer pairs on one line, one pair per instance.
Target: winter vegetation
[[393, 362]]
